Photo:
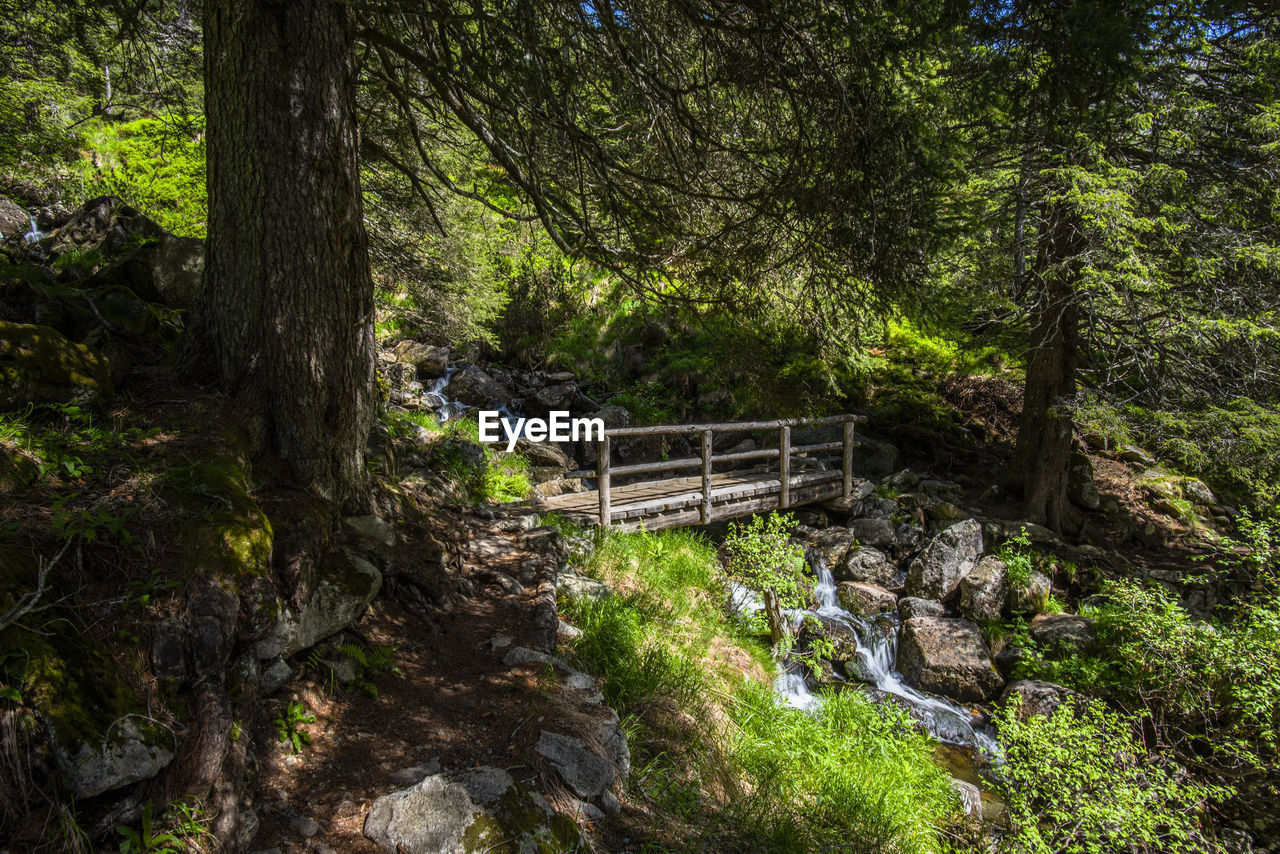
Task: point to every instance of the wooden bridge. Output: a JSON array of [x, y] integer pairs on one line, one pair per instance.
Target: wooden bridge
[[709, 496]]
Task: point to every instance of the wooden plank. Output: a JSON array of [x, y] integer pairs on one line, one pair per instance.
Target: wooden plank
[[731, 426], [706, 476], [662, 465], [847, 462], [784, 467], [602, 465]]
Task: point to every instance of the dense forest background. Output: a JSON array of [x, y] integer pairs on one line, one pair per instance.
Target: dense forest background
[[1064, 217]]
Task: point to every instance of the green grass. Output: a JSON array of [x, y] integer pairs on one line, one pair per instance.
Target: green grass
[[498, 478], [720, 763]]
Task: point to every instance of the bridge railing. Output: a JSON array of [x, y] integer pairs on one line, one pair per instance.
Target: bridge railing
[[706, 460]]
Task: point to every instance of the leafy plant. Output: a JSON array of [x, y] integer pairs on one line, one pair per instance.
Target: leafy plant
[[182, 830], [762, 556], [1017, 556], [289, 726], [92, 524], [1079, 780], [141, 592]]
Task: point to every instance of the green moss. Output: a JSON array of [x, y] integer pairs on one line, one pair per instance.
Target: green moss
[[227, 531], [41, 365], [517, 820], [70, 679]]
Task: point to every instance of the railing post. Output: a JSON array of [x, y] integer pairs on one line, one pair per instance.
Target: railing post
[[602, 473], [847, 489], [784, 466], [706, 477]]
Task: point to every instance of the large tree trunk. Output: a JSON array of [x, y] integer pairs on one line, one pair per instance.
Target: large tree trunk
[[1042, 456], [287, 312]]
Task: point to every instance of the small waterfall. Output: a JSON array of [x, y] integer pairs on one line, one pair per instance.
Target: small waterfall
[[446, 409], [877, 652], [35, 235]]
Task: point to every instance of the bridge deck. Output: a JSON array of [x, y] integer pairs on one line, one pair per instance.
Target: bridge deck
[[677, 501]]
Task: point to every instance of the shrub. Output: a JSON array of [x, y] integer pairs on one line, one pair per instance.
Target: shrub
[[1080, 781]]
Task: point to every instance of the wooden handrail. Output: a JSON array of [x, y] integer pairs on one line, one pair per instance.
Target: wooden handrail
[[706, 460]]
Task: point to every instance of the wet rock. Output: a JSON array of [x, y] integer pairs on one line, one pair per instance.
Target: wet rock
[[948, 657], [344, 586], [1064, 632], [38, 365], [827, 545], [843, 638], [474, 387], [1038, 698], [467, 812], [937, 571], [970, 800], [1032, 597], [878, 533], [984, 593], [168, 653], [585, 773], [864, 599], [868, 566], [912, 606], [1081, 490]]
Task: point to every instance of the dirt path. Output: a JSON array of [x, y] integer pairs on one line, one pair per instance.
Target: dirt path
[[456, 705]]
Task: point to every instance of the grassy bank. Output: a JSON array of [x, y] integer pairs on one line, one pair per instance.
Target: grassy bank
[[719, 763]]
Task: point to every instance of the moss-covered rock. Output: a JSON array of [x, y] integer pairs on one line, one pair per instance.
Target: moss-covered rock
[[100, 735], [473, 811], [345, 583], [227, 534], [38, 364]]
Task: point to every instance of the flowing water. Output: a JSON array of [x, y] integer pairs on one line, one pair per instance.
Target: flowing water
[[446, 409], [877, 652], [35, 235]]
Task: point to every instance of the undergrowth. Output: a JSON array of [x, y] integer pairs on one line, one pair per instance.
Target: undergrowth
[[721, 763]]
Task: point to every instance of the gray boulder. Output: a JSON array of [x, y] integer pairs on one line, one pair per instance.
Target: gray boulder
[[345, 585], [557, 397], [827, 545], [126, 754], [878, 533], [984, 593], [873, 458], [937, 571], [575, 587], [587, 774], [544, 454], [1032, 597], [1064, 632], [474, 387], [467, 812], [14, 220], [1038, 698], [1081, 489], [911, 606], [865, 599], [868, 566], [427, 361], [948, 657]]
